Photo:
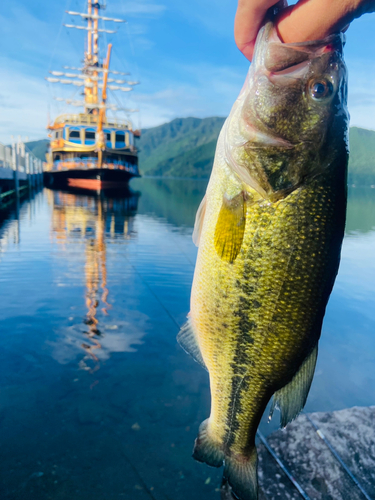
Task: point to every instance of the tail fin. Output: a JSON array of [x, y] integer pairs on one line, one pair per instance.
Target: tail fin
[[205, 449], [241, 474]]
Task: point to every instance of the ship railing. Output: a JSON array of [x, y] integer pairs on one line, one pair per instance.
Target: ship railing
[[84, 119]]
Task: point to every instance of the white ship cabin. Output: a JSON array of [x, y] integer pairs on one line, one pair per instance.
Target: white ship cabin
[[77, 131]]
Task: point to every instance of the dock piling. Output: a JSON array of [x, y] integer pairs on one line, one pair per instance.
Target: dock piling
[[15, 160]]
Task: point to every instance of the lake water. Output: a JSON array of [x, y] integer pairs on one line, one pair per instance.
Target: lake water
[[97, 400]]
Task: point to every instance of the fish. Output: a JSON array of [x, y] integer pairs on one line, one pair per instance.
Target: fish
[[269, 232]]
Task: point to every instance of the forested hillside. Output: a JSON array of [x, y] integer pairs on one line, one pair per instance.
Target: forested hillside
[[185, 147], [362, 157]]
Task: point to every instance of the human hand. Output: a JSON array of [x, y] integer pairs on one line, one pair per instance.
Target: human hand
[[307, 20]]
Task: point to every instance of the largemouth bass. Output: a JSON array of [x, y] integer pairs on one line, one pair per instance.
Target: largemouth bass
[[270, 230]]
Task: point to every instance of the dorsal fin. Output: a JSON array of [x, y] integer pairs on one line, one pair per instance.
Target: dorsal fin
[[230, 227], [199, 218]]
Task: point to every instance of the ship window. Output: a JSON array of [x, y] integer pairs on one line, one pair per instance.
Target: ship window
[[108, 136], [90, 135], [120, 137], [74, 134]]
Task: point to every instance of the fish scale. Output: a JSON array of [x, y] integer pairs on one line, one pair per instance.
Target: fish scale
[[270, 230], [268, 325]]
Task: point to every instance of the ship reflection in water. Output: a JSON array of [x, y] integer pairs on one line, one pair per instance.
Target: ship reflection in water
[[95, 221], [96, 281]]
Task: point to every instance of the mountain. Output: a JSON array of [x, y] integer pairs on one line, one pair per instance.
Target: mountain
[[38, 148], [185, 147], [362, 157]]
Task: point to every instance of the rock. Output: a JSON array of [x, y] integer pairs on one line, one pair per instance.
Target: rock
[[311, 462]]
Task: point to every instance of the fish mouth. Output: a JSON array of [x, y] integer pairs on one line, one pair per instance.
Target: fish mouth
[[294, 72], [256, 138], [292, 60], [265, 139], [253, 137]]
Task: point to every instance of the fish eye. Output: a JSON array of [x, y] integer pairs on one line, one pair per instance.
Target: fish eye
[[320, 89]]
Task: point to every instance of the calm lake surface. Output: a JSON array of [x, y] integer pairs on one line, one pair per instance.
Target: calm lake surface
[[97, 400]]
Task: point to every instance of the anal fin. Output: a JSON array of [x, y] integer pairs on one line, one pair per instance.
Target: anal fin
[[188, 341], [205, 449], [230, 227], [292, 398]]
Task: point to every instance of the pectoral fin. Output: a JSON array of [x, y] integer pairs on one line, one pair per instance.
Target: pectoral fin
[[292, 398], [230, 227], [199, 218]]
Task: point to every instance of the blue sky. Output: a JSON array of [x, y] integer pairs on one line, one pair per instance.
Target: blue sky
[[182, 52]]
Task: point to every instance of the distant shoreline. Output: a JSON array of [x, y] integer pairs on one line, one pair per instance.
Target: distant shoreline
[[205, 179], [185, 148]]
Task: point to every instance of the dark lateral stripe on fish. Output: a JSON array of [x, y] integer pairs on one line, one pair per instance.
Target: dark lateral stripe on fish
[[240, 360]]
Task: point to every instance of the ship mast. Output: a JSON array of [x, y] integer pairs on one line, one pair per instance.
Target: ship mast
[[91, 76], [100, 139], [92, 57], [92, 140], [96, 52], [88, 90]]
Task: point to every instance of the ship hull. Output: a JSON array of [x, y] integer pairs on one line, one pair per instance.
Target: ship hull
[[91, 179]]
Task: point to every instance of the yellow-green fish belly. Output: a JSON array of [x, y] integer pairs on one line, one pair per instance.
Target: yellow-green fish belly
[[259, 317]]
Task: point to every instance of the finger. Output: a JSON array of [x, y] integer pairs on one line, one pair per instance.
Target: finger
[[312, 20], [249, 18]]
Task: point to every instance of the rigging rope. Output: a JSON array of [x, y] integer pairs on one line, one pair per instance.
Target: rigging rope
[[59, 33]]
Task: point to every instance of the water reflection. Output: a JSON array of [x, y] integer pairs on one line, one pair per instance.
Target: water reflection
[[361, 210], [10, 216], [114, 273], [175, 200], [96, 221]]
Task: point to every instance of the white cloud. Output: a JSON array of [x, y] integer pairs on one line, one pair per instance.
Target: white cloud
[[174, 89], [23, 105], [198, 90]]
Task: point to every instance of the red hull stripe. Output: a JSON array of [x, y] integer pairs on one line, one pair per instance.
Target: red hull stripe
[[96, 184]]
